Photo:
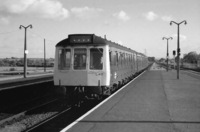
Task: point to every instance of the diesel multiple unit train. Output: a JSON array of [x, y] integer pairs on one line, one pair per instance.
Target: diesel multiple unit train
[[92, 66]]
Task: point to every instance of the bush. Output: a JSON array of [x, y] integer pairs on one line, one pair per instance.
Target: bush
[[12, 69]]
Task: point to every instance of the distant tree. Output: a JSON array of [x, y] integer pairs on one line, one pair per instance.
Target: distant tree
[[151, 59], [20, 62], [191, 57], [198, 57], [12, 63], [1, 63], [6, 62], [30, 62], [162, 60], [13, 58]]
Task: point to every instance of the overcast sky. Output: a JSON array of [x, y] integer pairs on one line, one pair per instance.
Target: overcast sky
[[137, 24]]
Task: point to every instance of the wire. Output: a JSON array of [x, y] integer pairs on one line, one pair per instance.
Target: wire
[[40, 36]]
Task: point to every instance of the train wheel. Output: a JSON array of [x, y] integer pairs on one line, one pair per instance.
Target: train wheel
[[115, 87], [106, 92], [61, 90], [119, 84], [99, 97], [78, 96]]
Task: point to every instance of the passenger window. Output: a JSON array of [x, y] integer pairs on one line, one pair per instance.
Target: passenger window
[[110, 56], [96, 59], [122, 58], [64, 59], [116, 58], [80, 58]]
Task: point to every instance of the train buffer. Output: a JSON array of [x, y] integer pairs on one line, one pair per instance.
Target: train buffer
[[155, 102]]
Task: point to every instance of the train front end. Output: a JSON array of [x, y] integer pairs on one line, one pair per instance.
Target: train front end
[[82, 64]]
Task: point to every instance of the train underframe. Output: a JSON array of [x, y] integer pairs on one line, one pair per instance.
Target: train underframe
[[77, 94]]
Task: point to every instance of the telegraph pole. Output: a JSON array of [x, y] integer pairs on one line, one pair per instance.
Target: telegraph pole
[[44, 56], [167, 51], [25, 49], [178, 45], [174, 54]]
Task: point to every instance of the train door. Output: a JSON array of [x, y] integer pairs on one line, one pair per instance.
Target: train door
[[99, 68], [95, 66]]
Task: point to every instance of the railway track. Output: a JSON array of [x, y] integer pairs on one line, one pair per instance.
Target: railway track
[[29, 114], [10, 112], [63, 118], [33, 117]]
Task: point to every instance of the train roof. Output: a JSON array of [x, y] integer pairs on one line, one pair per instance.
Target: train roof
[[90, 39]]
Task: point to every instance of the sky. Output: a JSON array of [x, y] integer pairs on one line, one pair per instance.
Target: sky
[[136, 24]]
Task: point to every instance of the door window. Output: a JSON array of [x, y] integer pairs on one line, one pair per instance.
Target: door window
[[96, 59]]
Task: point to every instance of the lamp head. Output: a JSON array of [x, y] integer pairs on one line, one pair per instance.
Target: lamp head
[[185, 22], [30, 26]]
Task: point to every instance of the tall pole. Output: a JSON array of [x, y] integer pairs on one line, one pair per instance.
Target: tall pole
[[178, 45], [174, 54], [44, 56], [25, 49], [167, 51]]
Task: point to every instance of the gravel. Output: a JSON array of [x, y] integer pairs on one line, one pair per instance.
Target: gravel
[[24, 122]]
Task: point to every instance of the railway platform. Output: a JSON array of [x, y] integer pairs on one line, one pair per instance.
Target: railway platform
[[154, 102], [10, 82], [13, 77]]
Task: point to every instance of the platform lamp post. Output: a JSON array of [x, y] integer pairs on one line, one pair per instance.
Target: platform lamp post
[[167, 51], [25, 49], [178, 45]]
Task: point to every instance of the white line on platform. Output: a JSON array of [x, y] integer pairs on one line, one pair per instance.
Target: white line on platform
[[21, 76], [93, 109]]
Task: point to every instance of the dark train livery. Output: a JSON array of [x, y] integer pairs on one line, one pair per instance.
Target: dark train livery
[[94, 66]]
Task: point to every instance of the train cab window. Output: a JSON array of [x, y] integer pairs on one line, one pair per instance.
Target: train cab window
[[96, 58], [80, 58], [64, 60]]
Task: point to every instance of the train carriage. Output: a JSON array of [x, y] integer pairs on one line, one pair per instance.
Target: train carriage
[[93, 65]]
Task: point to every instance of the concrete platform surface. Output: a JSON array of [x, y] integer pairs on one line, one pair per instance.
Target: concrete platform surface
[[155, 102]]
